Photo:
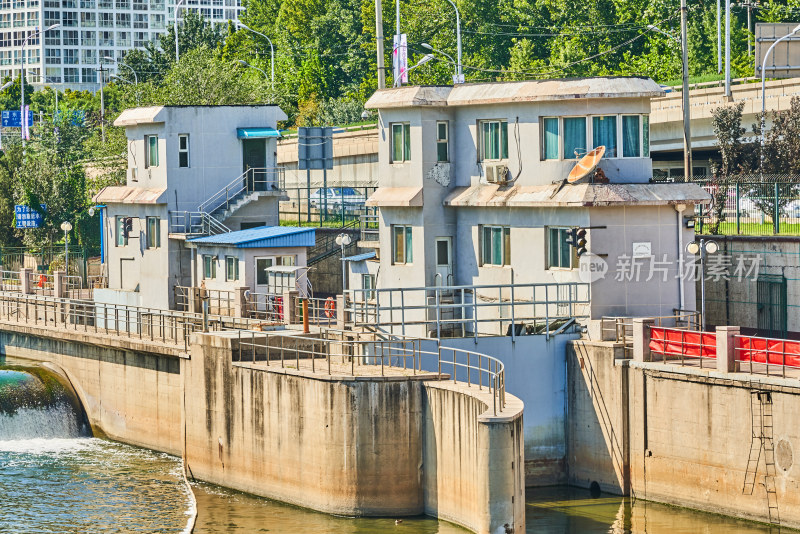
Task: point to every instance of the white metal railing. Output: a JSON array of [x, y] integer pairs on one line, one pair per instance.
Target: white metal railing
[[370, 227], [620, 328], [321, 312], [462, 311], [267, 307], [10, 281], [195, 223], [335, 352], [219, 301], [251, 180]]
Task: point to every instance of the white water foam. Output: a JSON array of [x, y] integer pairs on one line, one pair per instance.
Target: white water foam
[[57, 421]]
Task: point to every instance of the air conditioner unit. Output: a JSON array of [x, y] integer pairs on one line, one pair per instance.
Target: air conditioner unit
[[497, 174]]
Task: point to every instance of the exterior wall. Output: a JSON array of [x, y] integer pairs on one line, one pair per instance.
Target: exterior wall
[[247, 256], [129, 395]]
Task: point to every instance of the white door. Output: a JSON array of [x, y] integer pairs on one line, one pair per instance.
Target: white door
[[444, 261]]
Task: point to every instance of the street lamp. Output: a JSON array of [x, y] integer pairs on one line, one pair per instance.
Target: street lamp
[[22, 74], [763, 92], [271, 51], [66, 226], [421, 62], [175, 28], [459, 74], [704, 248], [432, 49], [343, 240], [687, 129], [245, 64]]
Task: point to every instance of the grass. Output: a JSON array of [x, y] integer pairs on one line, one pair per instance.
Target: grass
[[753, 229], [695, 79]]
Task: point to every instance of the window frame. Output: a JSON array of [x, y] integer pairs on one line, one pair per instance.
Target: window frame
[[617, 126], [405, 155], [505, 245], [621, 136], [153, 235], [209, 267], [549, 245], [406, 255], [543, 138], [148, 151], [443, 141], [502, 134], [122, 239], [183, 151], [231, 261], [368, 285]]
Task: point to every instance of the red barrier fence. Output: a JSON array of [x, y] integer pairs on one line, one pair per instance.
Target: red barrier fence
[[677, 343], [767, 351]]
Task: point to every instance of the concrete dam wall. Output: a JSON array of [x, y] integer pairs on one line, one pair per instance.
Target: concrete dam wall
[[339, 444]]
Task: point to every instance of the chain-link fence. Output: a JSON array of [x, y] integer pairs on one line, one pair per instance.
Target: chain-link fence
[[749, 204]]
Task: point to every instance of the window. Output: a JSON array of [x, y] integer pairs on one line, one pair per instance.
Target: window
[[122, 239], [631, 147], [559, 252], [153, 232], [183, 150], [574, 137], [368, 283], [70, 56], [494, 140], [442, 137], [87, 19], [70, 38], [150, 151], [401, 142], [231, 268], [123, 38], [262, 264], [123, 4], [646, 136], [53, 17], [88, 39], [105, 38], [52, 56], [402, 249], [71, 76], [106, 20], [495, 245], [89, 57], [69, 18], [140, 21], [123, 20], [53, 37], [604, 133], [550, 138], [87, 4], [209, 267]]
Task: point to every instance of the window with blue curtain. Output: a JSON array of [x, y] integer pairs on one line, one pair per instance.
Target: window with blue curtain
[[646, 136], [550, 145], [630, 136], [604, 133], [495, 245], [574, 136], [495, 140]]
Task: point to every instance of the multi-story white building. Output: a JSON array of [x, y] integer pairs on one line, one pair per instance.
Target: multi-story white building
[[91, 30]]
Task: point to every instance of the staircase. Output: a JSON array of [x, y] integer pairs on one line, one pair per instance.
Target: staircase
[[762, 441], [326, 245], [195, 223]]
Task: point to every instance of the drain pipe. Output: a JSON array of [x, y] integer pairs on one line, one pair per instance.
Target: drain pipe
[[680, 208]]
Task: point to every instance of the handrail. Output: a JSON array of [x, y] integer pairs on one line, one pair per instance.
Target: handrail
[[195, 223], [251, 180]]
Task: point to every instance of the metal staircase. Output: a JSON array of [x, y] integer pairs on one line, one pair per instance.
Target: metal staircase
[[761, 440], [244, 189], [326, 246]]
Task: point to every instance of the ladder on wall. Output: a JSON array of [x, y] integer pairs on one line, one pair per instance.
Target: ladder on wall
[[761, 440]]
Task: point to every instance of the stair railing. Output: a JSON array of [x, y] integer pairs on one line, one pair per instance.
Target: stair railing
[[250, 181]]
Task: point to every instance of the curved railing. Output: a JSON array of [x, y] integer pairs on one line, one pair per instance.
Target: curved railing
[[344, 352]]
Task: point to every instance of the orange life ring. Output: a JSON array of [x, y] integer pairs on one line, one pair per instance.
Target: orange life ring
[[330, 307]]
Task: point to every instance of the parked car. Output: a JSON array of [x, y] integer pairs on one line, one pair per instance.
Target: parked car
[[338, 197]]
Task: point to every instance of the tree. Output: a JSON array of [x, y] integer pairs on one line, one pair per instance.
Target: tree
[[735, 154], [194, 31]]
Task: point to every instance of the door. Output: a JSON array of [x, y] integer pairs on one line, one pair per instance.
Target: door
[[254, 158], [771, 294], [263, 303], [444, 261]]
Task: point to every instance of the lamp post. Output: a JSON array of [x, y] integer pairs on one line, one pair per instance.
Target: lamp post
[[24, 117], [704, 248], [245, 64], [66, 226], [175, 28], [763, 96], [687, 129], [422, 61], [271, 51], [459, 74], [343, 240], [432, 49]]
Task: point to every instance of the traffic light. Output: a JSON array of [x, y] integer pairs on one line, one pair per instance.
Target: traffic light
[[572, 237], [127, 229], [577, 240]]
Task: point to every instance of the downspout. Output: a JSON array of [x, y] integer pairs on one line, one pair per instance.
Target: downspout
[[680, 208], [194, 266]]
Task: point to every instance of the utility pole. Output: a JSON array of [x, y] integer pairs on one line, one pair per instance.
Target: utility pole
[[719, 37], [379, 43], [102, 70], [687, 134], [728, 49]]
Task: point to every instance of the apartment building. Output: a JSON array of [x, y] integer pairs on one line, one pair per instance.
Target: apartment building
[[91, 31], [472, 190]]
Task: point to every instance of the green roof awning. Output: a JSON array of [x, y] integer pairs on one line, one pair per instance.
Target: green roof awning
[[256, 133]]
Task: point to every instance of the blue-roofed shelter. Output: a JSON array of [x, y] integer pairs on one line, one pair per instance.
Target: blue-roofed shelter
[[266, 260]]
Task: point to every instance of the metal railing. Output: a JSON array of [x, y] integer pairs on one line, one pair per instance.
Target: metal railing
[[190, 299], [342, 206], [620, 329], [337, 352], [41, 282], [98, 281], [321, 312], [267, 307], [370, 227], [250, 181], [682, 346], [195, 223], [462, 311], [757, 355], [10, 281]]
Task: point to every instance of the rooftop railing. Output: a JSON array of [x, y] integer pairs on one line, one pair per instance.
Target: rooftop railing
[[470, 310]]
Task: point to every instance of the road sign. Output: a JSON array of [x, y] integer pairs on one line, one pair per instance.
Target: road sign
[[13, 118], [28, 218], [315, 148]]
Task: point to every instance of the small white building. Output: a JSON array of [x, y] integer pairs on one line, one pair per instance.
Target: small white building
[[472, 191], [192, 171]]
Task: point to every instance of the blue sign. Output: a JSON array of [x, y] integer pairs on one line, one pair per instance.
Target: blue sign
[[27, 217], [13, 118]]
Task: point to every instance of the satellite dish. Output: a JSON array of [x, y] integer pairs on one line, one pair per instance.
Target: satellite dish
[[586, 165]]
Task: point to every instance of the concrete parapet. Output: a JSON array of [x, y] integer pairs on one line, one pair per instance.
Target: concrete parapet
[[641, 339], [25, 281], [289, 308], [726, 349], [60, 284]]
